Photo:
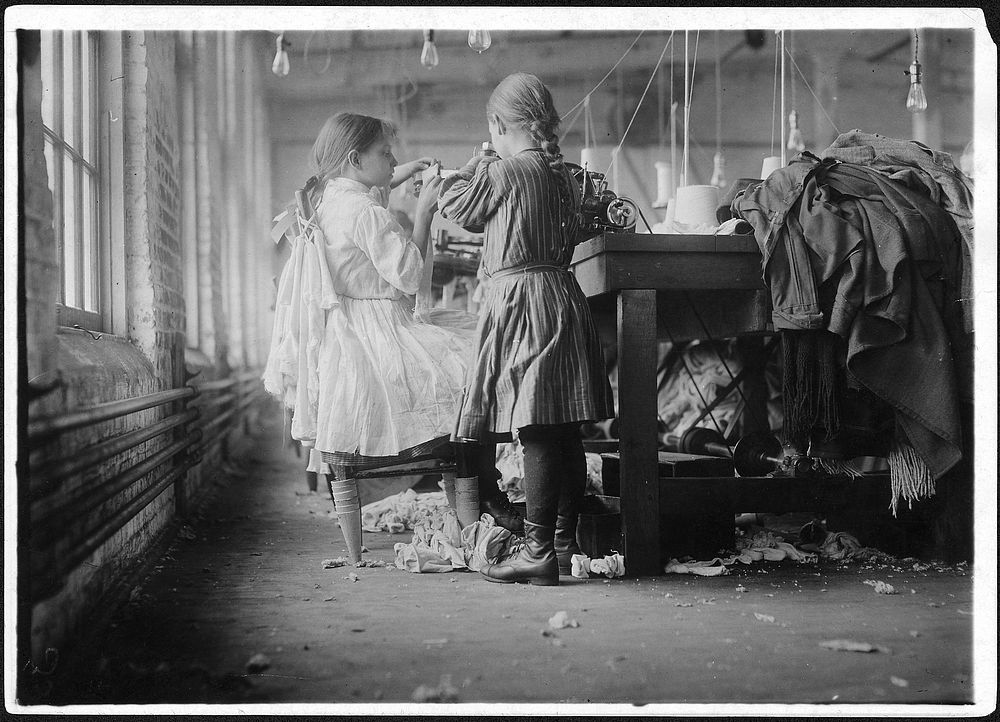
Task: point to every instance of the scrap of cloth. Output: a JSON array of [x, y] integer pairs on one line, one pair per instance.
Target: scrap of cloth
[[850, 250]]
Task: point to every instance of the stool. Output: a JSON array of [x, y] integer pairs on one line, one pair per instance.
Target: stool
[[434, 457]]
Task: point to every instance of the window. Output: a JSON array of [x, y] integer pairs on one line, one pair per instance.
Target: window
[[71, 120]]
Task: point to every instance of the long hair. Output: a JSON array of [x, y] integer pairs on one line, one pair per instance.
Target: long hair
[[340, 134], [522, 100]]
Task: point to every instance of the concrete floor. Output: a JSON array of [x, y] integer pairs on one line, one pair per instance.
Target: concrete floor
[[247, 578]]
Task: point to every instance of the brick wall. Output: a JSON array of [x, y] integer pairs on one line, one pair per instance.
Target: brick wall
[[38, 244], [152, 199], [147, 353]]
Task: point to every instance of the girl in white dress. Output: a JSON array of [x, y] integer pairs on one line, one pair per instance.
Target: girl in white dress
[[362, 376], [370, 377]]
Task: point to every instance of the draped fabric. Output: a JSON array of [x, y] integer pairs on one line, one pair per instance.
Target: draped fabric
[[850, 250], [360, 373]]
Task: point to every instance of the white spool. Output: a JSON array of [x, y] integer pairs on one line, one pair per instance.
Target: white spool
[[771, 164], [671, 214], [696, 205], [665, 184]]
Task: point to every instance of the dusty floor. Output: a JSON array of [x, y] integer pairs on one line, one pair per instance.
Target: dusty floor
[[247, 578]]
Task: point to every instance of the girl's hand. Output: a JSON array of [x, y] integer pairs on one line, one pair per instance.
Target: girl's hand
[[405, 171], [427, 203]]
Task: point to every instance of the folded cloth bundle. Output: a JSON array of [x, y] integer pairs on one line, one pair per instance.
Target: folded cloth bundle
[[610, 566], [712, 568]]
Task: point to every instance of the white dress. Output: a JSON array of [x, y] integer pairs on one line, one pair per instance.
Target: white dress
[[377, 380]]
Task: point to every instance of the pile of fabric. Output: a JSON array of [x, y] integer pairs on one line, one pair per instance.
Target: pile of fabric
[[510, 464], [867, 249], [405, 511], [443, 546], [678, 403], [766, 546]]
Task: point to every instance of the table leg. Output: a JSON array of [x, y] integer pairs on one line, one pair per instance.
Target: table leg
[[640, 492]]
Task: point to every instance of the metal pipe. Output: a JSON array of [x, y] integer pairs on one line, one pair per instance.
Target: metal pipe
[[44, 427], [218, 420], [94, 539], [47, 478], [86, 499], [209, 400], [215, 385]]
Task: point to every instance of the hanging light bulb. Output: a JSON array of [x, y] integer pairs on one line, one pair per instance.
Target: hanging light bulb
[[280, 66], [916, 99], [795, 140], [480, 40], [429, 55]]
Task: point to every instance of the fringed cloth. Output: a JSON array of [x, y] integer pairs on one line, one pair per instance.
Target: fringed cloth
[[810, 393], [911, 479], [809, 386]]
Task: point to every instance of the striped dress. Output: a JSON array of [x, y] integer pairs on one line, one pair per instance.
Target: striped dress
[[539, 358]]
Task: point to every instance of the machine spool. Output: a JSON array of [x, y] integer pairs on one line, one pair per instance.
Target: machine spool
[[753, 455]]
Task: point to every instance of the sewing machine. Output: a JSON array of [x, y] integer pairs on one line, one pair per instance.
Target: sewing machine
[[601, 209]]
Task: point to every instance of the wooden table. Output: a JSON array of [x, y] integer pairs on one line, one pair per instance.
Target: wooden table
[[675, 287]]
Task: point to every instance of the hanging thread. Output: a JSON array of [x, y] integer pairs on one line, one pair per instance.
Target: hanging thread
[[688, 91], [781, 119], [614, 155], [606, 75], [815, 97], [774, 96]]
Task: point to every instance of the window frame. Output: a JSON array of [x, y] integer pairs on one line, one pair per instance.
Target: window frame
[[102, 171]]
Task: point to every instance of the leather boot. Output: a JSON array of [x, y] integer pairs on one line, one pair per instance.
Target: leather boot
[[565, 542], [572, 487], [535, 563], [504, 513]]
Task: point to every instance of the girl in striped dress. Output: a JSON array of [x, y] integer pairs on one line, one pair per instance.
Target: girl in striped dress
[[538, 371]]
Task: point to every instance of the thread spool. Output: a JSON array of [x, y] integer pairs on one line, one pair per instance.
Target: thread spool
[[771, 164], [696, 205], [448, 484], [665, 184], [467, 500], [671, 215]]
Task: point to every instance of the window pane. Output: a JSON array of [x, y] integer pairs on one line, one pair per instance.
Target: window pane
[[87, 80], [48, 81], [71, 103], [89, 255], [71, 256]]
